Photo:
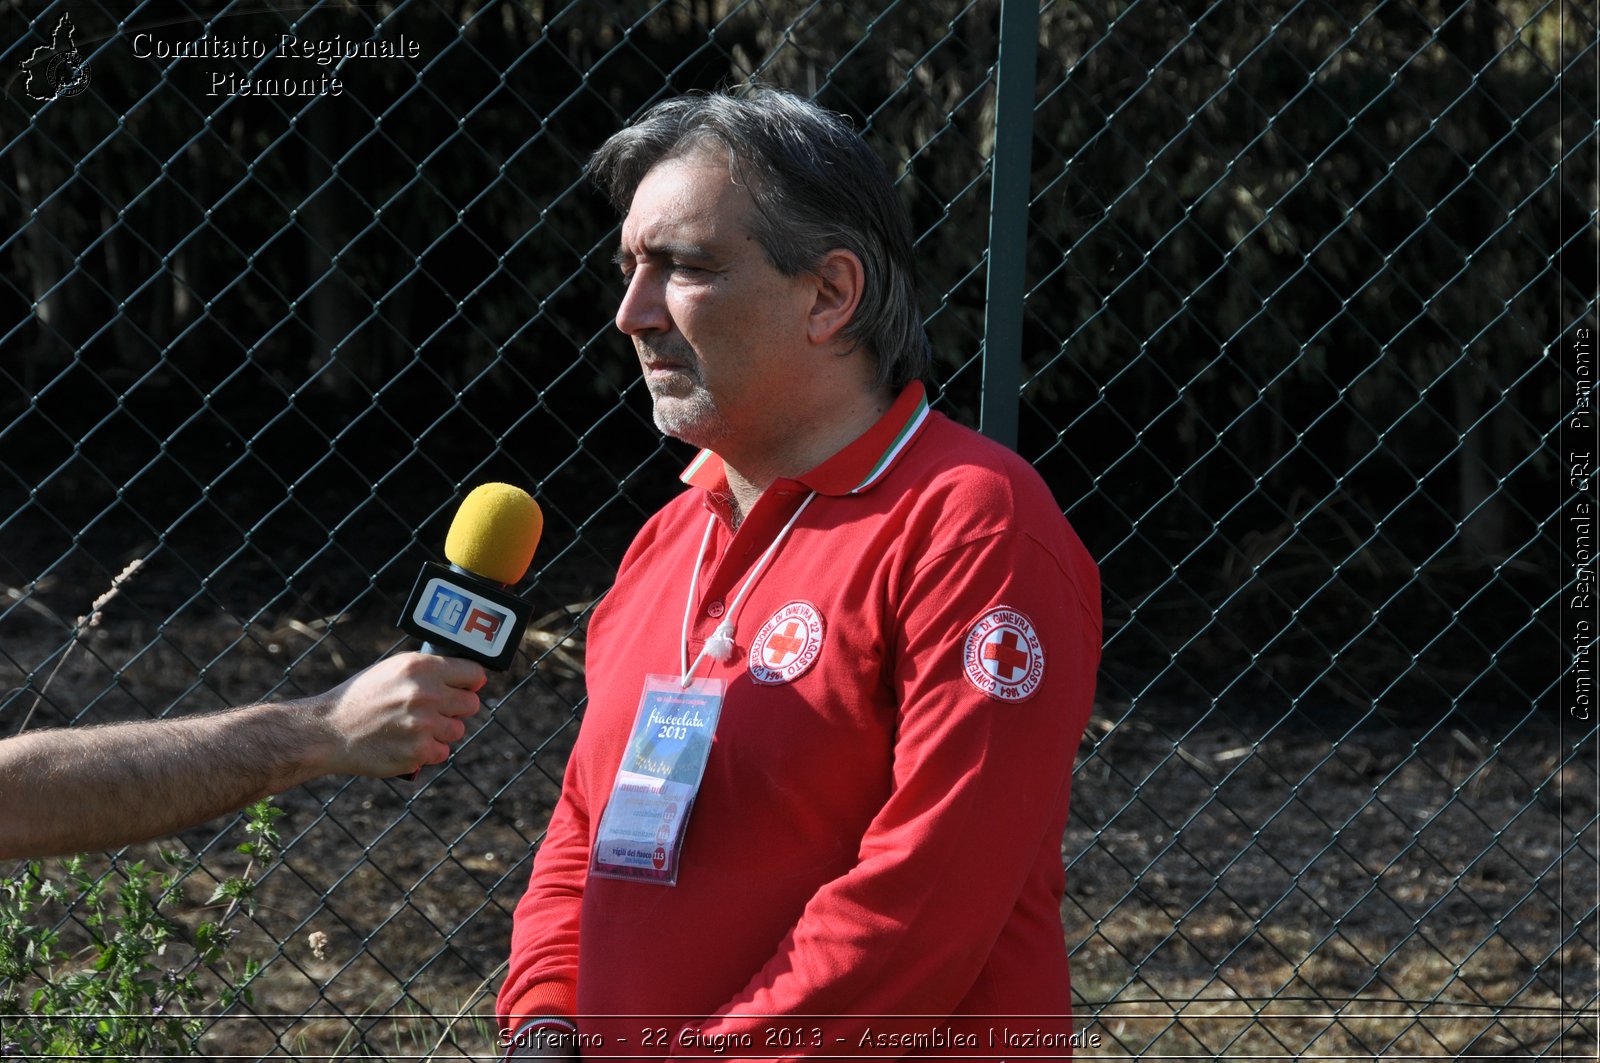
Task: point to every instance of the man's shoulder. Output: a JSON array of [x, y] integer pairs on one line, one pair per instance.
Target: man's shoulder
[[960, 464], [958, 486]]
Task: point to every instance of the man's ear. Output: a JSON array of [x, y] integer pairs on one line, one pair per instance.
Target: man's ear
[[839, 282]]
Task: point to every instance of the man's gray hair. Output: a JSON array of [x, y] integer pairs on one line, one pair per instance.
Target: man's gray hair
[[817, 187]]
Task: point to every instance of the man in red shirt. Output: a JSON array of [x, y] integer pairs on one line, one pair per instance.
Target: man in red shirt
[[817, 807]]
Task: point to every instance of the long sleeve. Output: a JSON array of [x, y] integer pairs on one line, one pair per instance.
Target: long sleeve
[[542, 973]]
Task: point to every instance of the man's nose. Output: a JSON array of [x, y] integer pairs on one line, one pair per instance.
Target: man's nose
[[643, 309]]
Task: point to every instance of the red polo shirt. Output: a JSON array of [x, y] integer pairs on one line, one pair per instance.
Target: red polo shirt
[[878, 832]]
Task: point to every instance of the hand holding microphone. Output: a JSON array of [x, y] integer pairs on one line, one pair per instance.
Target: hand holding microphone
[[70, 789], [402, 712], [466, 610]]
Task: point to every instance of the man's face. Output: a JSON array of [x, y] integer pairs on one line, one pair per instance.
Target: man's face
[[719, 332]]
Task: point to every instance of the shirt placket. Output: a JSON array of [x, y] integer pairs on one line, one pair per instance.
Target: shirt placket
[[730, 559]]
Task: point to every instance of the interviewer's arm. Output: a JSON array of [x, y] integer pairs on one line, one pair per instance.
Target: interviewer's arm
[[76, 789]]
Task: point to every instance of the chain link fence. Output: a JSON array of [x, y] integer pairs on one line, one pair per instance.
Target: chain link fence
[[1299, 331]]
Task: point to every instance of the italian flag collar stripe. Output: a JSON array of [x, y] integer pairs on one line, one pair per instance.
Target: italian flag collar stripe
[[907, 431], [688, 475], [834, 476]]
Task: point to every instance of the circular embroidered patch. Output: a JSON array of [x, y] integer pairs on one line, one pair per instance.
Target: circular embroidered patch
[[1003, 656], [787, 644]]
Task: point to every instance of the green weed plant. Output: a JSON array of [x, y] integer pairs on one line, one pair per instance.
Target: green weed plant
[[144, 982]]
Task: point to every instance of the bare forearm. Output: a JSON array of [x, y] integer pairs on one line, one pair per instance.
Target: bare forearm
[[74, 790], [71, 790]]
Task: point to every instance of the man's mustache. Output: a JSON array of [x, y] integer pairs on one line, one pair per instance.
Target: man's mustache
[[674, 353]]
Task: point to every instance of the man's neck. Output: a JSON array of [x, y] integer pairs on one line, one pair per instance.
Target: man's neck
[[750, 474], [745, 493]]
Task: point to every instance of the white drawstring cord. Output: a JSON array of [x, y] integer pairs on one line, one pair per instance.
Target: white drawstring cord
[[719, 647], [688, 606]]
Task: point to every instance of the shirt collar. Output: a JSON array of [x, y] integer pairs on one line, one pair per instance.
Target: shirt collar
[[854, 469]]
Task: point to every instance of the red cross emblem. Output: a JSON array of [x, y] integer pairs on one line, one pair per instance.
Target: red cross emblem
[[787, 644], [1002, 655], [783, 646], [1006, 659]]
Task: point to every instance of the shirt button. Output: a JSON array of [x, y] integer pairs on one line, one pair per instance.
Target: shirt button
[[715, 609]]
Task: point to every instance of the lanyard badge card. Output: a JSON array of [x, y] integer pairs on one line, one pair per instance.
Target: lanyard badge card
[[642, 828]]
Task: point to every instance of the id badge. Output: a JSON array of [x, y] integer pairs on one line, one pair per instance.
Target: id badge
[[642, 828]]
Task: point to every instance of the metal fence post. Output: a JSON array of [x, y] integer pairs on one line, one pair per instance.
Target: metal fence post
[[1008, 219]]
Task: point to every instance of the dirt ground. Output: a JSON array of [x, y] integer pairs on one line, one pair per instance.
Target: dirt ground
[[1238, 889]]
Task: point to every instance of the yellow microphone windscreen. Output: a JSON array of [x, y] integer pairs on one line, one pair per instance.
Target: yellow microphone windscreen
[[495, 533]]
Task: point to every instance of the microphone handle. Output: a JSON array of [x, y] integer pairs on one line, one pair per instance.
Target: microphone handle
[[440, 651]]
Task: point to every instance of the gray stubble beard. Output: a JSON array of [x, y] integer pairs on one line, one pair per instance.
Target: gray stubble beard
[[693, 418]]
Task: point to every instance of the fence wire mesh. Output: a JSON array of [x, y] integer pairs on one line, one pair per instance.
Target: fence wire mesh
[[1307, 322]]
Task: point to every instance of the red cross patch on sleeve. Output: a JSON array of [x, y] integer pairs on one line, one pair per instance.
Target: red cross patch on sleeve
[[1003, 656]]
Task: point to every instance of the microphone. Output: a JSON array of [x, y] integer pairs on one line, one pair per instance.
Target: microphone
[[466, 609]]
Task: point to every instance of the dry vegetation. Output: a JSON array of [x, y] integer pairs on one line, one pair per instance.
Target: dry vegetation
[[1232, 895], [1408, 894]]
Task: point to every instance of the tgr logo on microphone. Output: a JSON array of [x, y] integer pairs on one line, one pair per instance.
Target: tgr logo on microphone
[[463, 618], [458, 614]]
